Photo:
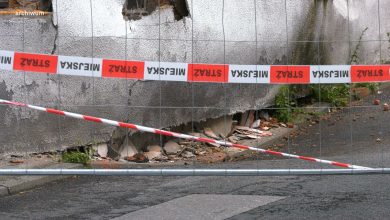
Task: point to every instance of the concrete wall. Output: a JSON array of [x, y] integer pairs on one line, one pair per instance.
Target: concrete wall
[[204, 37]]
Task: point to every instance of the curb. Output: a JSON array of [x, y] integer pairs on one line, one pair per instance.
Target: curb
[[14, 184]]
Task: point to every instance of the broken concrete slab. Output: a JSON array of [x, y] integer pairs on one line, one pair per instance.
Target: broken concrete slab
[[155, 148], [128, 149], [172, 147], [256, 123], [247, 118], [101, 149], [151, 155], [220, 126]]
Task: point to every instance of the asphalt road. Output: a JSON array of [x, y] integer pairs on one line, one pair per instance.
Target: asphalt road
[[359, 136]]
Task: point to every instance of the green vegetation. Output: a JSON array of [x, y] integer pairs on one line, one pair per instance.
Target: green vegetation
[[76, 157], [355, 56], [286, 101], [373, 87], [336, 95], [283, 104]]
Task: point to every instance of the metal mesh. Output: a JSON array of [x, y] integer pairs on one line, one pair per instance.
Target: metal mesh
[[123, 99]]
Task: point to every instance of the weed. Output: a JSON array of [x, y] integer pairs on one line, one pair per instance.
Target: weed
[[76, 157], [336, 95], [373, 87], [354, 56], [283, 104]]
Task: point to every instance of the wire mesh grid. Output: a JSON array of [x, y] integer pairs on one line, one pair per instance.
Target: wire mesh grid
[[224, 32]]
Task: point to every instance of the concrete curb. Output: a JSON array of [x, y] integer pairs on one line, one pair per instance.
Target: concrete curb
[[10, 185]]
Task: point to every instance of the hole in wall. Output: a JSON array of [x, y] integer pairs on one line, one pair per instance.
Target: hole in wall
[[26, 5], [136, 9]]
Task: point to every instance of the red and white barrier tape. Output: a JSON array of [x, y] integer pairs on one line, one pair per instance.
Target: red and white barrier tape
[[174, 134], [217, 73]]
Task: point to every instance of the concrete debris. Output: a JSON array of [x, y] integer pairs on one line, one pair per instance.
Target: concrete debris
[[385, 107], [153, 148], [214, 144], [137, 158], [264, 115], [247, 118], [101, 150], [154, 152], [253, 136], [220, 126], [213, 157], [210, 133], [128, 149], [16, 161], [187, 150], [172, 147], [291, 125], [151, 155], [187, 154], [256, 124], [233, 139]]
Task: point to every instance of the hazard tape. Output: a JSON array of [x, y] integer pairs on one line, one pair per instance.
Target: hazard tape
[[211, 73], [177, 135]]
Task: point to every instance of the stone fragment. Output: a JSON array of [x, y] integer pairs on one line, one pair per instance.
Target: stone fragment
[[128, 149], [187, 154], [247, 118], [155, 148], [385, 107], [151, 155], [172, 147], [220, 126], [256, 124], [233, 139], [214, 144], [137, 158], [102, 150], [213, 157]]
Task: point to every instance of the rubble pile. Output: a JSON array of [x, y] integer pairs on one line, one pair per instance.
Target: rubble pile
[[226, 129]]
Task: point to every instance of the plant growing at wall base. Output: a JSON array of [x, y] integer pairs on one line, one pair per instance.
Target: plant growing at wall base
[[283, 104], [336, 95], [76, 157]]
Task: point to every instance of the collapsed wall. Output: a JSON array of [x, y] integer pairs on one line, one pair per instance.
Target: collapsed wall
[[243, 36]]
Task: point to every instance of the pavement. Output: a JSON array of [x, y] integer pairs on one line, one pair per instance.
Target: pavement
[[359, 135], [14, 184]]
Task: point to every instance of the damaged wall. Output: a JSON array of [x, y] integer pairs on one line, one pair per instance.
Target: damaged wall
[[200, 37]]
